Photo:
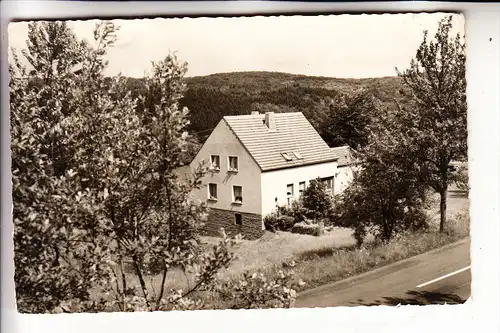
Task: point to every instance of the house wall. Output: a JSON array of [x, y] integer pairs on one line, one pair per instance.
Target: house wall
[[221, 218], [274, 183], [344, 177], [224, 143]]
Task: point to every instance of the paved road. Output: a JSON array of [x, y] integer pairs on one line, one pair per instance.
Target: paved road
[[436, 277]]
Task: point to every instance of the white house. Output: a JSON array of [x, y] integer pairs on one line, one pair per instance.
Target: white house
[[345, 167], [259, 161]]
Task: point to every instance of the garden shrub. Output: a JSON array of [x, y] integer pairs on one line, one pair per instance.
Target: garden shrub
[[304, 228], [277, 222], [315, 202], [461, 178]]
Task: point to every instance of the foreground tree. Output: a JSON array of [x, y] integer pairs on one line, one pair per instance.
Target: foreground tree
[[98, 207], [42, 101], [436, 131]]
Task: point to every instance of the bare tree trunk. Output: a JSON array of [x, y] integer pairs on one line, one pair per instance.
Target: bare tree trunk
[[442, 208], [141, 280]]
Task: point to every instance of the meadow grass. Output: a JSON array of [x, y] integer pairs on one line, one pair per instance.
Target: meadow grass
[[328, 258]]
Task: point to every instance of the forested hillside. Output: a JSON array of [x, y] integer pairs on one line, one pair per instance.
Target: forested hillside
[[211, 97]]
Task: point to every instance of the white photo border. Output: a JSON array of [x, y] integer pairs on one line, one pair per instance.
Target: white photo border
[[483, 71]]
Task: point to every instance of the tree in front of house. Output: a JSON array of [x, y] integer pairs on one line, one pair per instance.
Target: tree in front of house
[[95, 188], [435, 132], [387, 195], [316, 203]]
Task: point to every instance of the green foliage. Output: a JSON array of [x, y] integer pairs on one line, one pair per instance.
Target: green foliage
[[410, 149], [347, 120], [387, 196], [211, 105], [307, 229], [278, 222], [316, 202], [435, 132], [45, 135], [94, 182], [255, 290], [461, 178], [211, 97]]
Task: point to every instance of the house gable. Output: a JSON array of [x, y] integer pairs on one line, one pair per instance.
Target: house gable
[[223, 142]]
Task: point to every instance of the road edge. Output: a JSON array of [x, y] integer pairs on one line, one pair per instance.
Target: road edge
[[378, 269]]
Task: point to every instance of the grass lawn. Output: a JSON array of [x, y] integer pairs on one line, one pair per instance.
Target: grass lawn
[[327, 264], [332, 257], [274, 249]]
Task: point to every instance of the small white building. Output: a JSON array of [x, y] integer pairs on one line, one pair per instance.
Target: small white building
[[345, 167], [259, 161]]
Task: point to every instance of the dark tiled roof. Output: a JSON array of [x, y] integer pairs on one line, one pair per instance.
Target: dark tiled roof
[[344, 154], [293, 134]]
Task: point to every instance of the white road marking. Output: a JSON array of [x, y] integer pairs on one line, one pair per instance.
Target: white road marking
[[443, 277]]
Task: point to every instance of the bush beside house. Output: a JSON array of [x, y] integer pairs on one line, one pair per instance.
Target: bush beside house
[[305, 228], [308, 215], [276, 222]]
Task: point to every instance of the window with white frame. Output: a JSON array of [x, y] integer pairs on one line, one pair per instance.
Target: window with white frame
[[302, 187], [233, 163], [215, 162], [212, 191], [289, 193], [329, 184], [237, 194]]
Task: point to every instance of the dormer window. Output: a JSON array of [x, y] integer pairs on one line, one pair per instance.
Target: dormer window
[[297, 155], [286, 156], [233, 164], [215, 162]]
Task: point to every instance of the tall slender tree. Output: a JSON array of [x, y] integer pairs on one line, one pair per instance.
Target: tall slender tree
[[436, 130]]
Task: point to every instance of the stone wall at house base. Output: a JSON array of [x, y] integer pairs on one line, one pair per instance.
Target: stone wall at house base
[[250, 228]]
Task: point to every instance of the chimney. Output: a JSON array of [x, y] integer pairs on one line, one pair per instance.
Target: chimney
[[254, 113], [270, 121]]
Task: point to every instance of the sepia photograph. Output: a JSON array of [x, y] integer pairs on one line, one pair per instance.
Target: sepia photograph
[[209, 163]]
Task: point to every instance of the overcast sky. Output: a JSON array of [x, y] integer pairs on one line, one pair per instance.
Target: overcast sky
[[344, 46]]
